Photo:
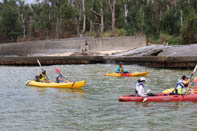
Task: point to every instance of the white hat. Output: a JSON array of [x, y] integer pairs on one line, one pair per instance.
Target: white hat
[[142, 79]]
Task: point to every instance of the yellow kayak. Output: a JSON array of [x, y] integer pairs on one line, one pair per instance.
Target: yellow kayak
[[167, 91], [76, 85], [127, 74]]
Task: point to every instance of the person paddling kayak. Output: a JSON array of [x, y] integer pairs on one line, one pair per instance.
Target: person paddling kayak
[[60, 79], [140, 88], [42, 77], [120, 69], [182, 86]]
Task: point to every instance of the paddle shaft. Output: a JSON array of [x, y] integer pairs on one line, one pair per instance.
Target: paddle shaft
[[195, 68], [42, 68], [63, 75]]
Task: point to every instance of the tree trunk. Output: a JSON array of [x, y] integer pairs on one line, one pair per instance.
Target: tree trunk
[[142, 22], [30, 27], [181, 18], [102, 17], [125, 12], [77, 25], [91, 25], [157, 14], [113, 7], [23, 24], [57, 28], [84, 17]]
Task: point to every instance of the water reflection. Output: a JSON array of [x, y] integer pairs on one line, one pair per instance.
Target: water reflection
[[37, 89], [72, 91], [174, 106], [56, 91]]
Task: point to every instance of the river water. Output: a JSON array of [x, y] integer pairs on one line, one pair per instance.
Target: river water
[[95, 107]]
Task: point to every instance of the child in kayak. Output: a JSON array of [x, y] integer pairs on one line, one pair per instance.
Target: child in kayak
[[60, 79], [120, 69]]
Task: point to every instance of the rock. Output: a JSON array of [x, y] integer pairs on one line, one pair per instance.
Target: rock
[[155, 50], [144, 51], [182, 50]]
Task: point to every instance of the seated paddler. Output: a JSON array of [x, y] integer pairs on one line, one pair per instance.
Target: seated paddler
[[42, 77], [182, 86], [120, 68], [61, 79], [140, 88]]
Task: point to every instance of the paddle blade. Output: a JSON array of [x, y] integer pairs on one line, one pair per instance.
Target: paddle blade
[[149, 90], [57, 71], [38, 62], [40, 65], [195, 69], [195, 80]]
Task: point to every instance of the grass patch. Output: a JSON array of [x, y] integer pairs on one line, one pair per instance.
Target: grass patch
[[118, 32], [171, 39]]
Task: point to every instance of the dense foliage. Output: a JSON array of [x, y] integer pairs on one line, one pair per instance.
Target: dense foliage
[[173, 21]]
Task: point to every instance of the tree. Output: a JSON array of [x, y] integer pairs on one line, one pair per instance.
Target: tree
[[42, 19], [189, 30], [69, 17], [10, 27], [25, 13], [84, 17], [97, 9], [112, 5]]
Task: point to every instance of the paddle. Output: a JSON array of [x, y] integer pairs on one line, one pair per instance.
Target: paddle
[[42, 68], [195, 80], [60, 73], [145, 99], [195, 68]]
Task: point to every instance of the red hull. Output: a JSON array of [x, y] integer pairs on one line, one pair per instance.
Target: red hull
[[159, 98]]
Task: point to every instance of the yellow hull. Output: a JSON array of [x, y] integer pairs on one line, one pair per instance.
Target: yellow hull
[[127, 74], [76, 85], [166, 91]]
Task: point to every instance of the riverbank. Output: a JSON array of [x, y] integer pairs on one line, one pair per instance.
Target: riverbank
[[130, 50], [150, 61]]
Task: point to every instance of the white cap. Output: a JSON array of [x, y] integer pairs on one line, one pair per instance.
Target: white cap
[[142, 79]]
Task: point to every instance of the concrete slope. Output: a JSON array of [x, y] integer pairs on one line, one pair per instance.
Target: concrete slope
[[158, 50]]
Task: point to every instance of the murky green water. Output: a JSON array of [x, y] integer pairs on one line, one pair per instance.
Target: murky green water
[[95, 107]]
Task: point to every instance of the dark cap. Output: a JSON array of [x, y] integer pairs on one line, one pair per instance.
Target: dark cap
[[184, 77], [120, 63], [44, 72]]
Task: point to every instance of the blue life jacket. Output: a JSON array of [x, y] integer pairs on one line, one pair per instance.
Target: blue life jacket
[[180, 84]]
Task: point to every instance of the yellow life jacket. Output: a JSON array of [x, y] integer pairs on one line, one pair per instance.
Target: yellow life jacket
[[121, 70], [43, 77]]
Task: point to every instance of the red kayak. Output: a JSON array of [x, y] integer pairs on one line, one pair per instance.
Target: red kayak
[[159, 98]]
